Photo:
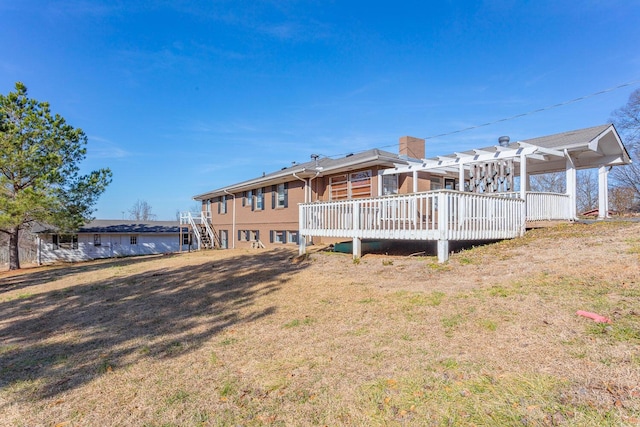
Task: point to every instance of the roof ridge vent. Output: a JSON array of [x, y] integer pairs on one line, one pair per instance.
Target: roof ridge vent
[[504, 141]]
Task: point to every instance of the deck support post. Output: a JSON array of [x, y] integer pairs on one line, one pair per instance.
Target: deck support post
[[443, 227], [443, 251], [357, 248], [357, 242], [572, 186], [302, 245], [603, 194]]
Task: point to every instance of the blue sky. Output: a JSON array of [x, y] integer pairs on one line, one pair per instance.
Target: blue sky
[[180, 97]]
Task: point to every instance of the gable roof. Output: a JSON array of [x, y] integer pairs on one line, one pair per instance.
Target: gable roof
[[104, 226], [323, 166], [570, 139]]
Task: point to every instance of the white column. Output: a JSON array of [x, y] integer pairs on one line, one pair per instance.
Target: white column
[[380, 183], [524, 177], [572, 189], [415, 181], [603, 192], [524, 184], [461, 177]]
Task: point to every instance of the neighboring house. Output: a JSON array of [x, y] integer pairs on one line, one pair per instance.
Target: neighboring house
[[110, 238], [480, 194]]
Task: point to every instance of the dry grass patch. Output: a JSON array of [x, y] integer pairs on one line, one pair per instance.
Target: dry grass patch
[[259, 338]]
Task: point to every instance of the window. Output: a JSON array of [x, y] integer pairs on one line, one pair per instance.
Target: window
[[354, 185], [436, 184], [186, 238], [222, 205], [133, 240], [250, 199], [259, 199], [244, 235], [278, 236], [65, 241], [283, 236], [360, 184], [280, 196], [389, 184], [97, 240], [339, 187], [449, 184], [254, 235]]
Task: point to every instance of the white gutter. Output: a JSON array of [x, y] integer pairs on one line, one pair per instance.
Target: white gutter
[[233, 224]]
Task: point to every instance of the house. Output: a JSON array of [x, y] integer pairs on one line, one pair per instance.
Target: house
[[110, 238], [480, 194]]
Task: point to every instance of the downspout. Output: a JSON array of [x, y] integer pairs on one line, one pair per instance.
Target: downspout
[[305, 185], [233, 220], [310, 187], [307, 191]]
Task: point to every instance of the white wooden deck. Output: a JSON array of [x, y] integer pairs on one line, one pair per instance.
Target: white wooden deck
[[440, 216]]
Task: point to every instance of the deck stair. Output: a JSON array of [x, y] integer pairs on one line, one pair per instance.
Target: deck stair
[[200, 224]]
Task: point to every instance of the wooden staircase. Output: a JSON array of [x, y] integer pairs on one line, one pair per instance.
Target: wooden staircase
[[203, 231], [206, 241]]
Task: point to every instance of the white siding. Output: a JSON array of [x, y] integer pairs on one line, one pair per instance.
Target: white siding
[[112, 245]]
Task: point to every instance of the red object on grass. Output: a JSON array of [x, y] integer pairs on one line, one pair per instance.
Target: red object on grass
[[595, 317]]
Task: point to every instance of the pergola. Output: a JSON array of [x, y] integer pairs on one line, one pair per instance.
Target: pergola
[[597, 147]]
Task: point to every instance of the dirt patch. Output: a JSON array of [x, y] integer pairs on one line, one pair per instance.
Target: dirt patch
[[265, 338]]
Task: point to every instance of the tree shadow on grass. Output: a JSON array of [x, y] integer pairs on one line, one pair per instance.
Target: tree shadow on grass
[[63, 339], [24, 278]]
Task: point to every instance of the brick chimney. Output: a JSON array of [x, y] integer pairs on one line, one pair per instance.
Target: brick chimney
[[411, 147]]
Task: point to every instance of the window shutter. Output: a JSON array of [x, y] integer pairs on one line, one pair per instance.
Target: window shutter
[[244, 198], [239, 235], [274, 191], [219, 204], [252, 203], [286, 194], [257, 234], [271, 232]]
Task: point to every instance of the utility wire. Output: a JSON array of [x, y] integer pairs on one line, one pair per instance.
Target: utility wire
[[539, 110]]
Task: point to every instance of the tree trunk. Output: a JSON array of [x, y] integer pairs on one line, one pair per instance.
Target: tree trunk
[[14, 254]]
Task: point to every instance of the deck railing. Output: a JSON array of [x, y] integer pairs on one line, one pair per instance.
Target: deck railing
[[548, 206], [434, 215], [196, 219]]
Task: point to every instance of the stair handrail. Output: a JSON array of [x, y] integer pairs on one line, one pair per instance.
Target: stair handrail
[[194, 227], [204, 218]]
